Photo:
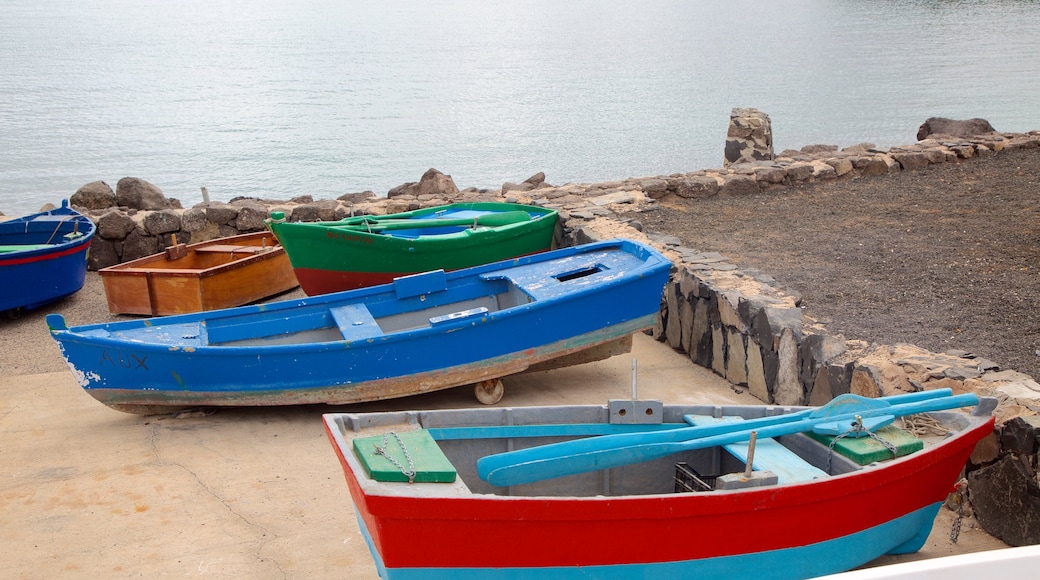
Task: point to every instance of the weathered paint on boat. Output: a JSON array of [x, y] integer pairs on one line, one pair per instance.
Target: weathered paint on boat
[[43, 257], [210, 275], [364, 251], [627, 522], [423, 332]]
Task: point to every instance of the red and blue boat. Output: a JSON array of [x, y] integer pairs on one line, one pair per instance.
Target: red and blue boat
[[43, 257], [675, 502], [363, 251], [424, 332]]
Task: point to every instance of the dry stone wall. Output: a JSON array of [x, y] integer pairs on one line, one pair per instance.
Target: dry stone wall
[[734, 322]]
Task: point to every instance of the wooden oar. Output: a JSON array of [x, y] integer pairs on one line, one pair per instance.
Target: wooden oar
[[842, 404], [496, 219], [559, 466]]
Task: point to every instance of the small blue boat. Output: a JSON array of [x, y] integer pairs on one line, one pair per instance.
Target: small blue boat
[[420, 333], [43, 258]]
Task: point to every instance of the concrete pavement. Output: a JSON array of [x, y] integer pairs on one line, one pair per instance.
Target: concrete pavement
[[245, 493], [89, 492]]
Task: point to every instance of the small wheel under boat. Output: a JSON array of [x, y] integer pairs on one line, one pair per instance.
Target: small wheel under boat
[[489, 392], [14, 313]]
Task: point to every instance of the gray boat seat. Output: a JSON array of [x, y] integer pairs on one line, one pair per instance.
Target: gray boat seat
[[355, 322]]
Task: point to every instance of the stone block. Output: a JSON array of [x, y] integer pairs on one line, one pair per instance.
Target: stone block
[[673, 328], [103, 253], [696, 187], [1005, 498], [749, 137], [788, 389], [841, 165], [161, 222], [1021, 435], [911, 160], [686, 313], [800, 172], [700, 334], [193, 219], [251, 218], [736, 358], [221, 213], [866, 382], [115, 225], [756, 373], [728, 304], [718, 350], [870, 165], [739, 185], [138, 245]]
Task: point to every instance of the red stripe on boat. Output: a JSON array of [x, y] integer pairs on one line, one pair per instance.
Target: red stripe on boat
[[42, 257], [497, 531]]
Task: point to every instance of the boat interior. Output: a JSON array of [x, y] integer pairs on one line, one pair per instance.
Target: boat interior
[[202, 257], [797, 458], [40, 232], [425, 300]]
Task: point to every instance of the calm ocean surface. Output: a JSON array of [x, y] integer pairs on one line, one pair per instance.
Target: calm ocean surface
[[324, 97]]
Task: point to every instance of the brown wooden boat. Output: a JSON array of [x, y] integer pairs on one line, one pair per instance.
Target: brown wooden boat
[[208, 275]]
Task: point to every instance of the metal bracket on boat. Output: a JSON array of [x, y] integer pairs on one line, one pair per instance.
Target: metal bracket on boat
[[634, 411], [631, 411]]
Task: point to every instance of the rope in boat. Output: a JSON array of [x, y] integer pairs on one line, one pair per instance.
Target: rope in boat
[[920, 425], [857, 428]]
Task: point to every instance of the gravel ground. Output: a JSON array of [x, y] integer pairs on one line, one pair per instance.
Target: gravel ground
[[945, 258]]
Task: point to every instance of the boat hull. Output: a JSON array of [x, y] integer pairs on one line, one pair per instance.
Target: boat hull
[[215, 358], [49, 271], [210, 275], [796, 530], [329, 257]]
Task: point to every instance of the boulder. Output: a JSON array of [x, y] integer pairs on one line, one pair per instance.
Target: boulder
[[434, 182], [409, 189], [749, 138], [162, 222], [137, 193], [115, 225], [953, 128], [94, 195], [251, 217]]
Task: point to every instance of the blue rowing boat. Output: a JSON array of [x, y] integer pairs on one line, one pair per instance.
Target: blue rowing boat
[[43, 258], [421, 333]]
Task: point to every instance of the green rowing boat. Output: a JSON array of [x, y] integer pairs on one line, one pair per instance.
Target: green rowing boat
[[362, 251]]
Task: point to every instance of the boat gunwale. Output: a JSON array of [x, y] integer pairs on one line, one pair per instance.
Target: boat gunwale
[[979, 418], [646, 266]]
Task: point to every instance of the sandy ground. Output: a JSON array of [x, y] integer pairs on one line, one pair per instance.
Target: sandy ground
[[86, 491]]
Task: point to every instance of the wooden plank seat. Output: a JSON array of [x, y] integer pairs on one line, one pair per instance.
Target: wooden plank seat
[[355, 322], [543, 281], [233, 249], [770, 455]]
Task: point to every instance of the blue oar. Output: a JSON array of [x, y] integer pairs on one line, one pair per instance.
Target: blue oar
[[843, 404], [537, 470]]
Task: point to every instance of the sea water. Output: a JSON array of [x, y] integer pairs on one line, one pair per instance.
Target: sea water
[[277, 99]]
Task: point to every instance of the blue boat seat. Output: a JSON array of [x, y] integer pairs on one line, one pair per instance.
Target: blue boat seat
[[770, 455], [546, 280], [355, 322]]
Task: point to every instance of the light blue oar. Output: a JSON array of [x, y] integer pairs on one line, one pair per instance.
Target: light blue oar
[[843, 404], [561, 465]]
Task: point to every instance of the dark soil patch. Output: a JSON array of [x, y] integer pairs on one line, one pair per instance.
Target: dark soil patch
[[945, 258]]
